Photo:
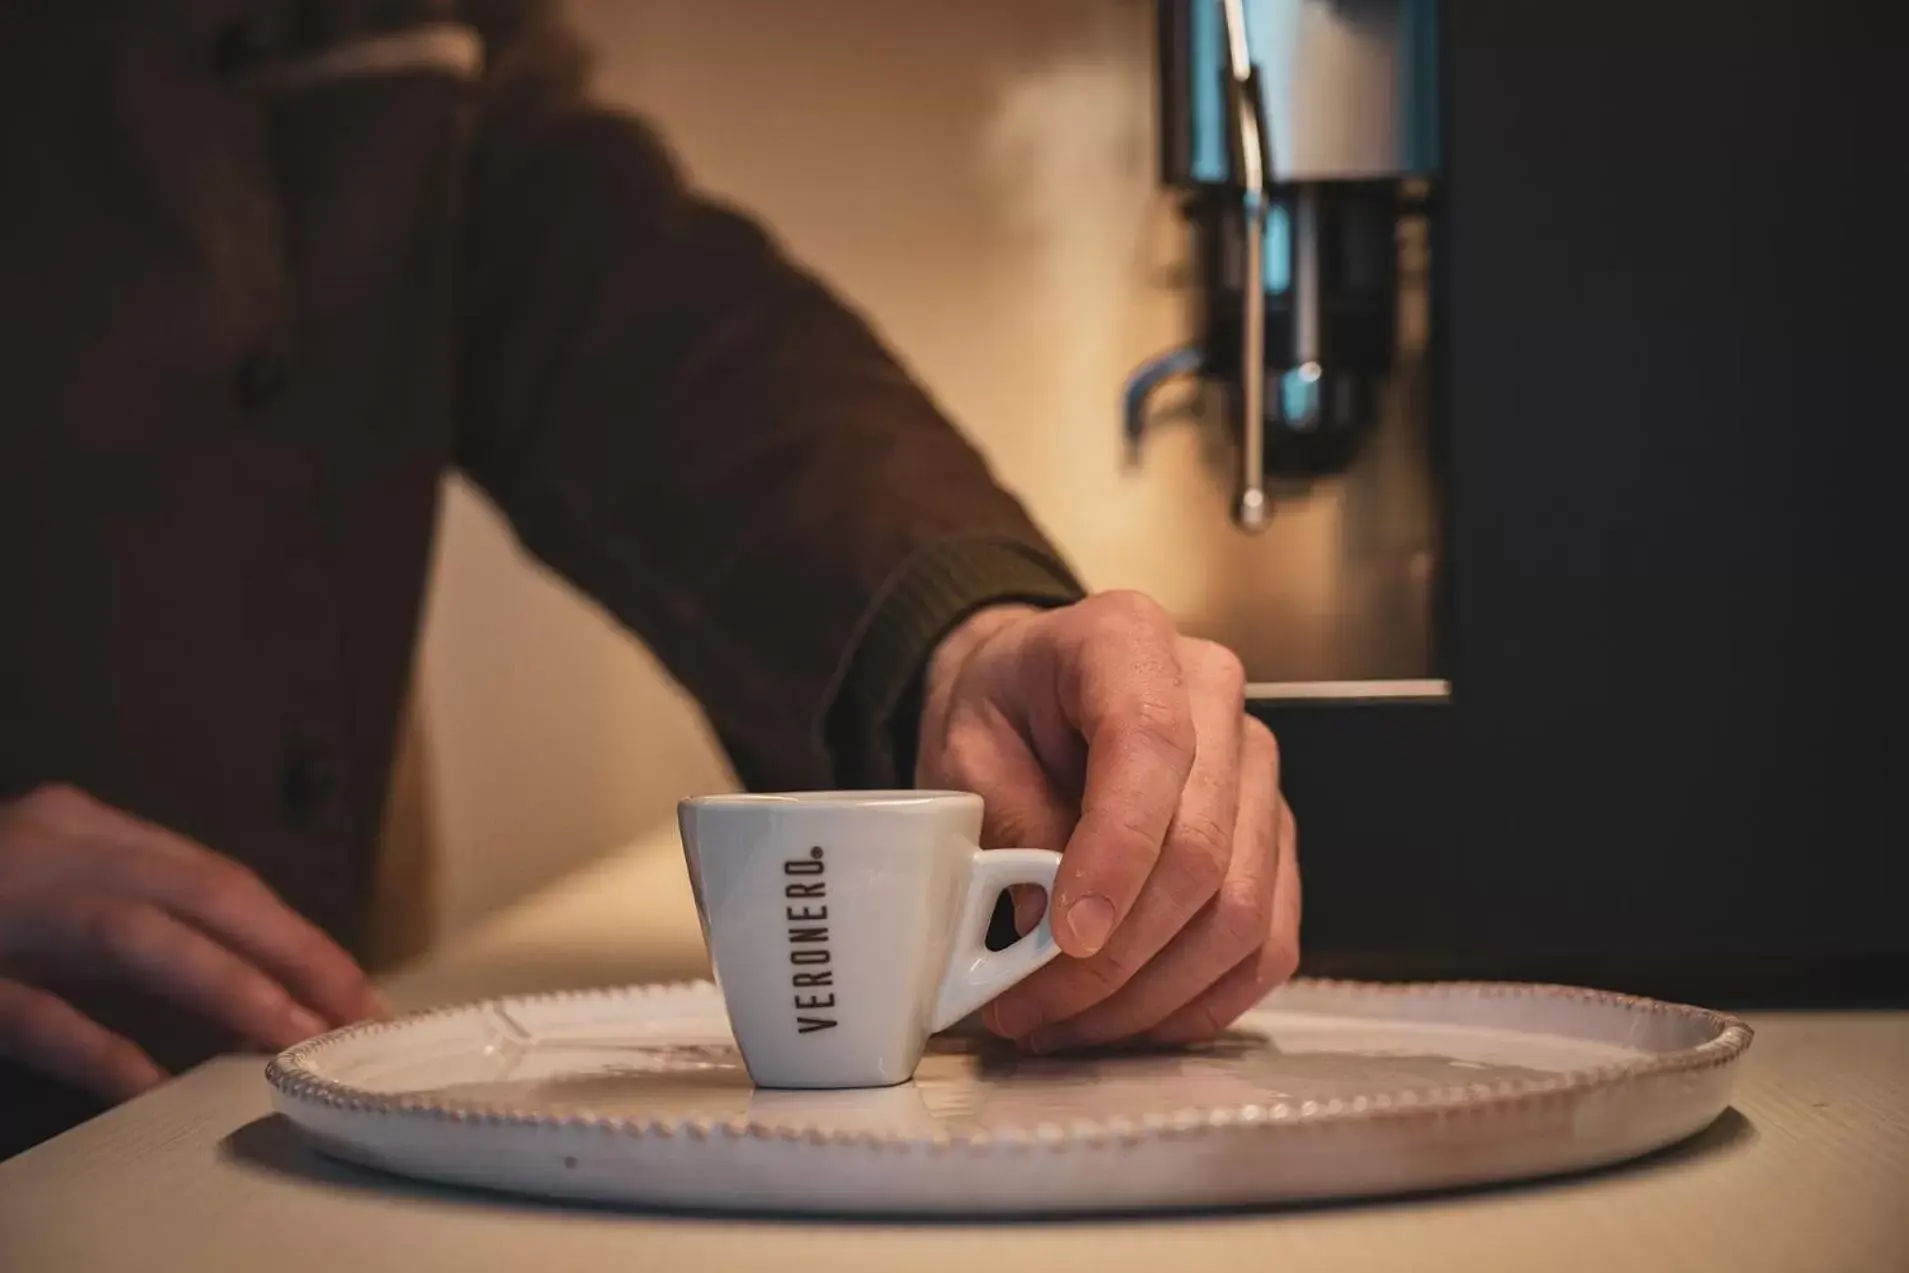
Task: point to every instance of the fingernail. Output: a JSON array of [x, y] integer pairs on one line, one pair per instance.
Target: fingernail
[[304, 1024], [1091, 919], [381, 1009], [1015, 1017]]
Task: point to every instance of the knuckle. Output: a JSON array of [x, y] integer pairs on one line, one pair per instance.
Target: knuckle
[[328, 968], [1260, 742], [1200, 850], [1130, 619], [963, 760], [115, 1053], [1094, 980], [1205, 1020], [1132, 604], [1219, 667], [1130, 845], [58, 805], [1206, 843], [87, 919], [1105, 1024], [1164, 724], [1279, 961], [24, 1011], [263, 998], [118, 928], [54, 795], [1106, 974], [1008, 826], [220, 883], [1241, 916]]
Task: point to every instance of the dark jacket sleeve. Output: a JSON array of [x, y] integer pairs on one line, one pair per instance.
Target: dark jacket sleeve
[[689, 427]]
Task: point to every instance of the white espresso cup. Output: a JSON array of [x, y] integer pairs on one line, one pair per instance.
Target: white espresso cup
[[846, 927]]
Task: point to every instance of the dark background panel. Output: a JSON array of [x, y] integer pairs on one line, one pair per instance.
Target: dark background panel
[[1674, 269]]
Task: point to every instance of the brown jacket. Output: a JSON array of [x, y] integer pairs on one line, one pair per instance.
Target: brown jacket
[[268, 270]]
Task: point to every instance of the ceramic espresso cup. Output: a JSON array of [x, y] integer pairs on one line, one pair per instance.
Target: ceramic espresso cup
[[846, 927]]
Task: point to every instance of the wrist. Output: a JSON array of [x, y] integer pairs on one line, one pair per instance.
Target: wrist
[[962, 640], [952, 652], [933, 614]]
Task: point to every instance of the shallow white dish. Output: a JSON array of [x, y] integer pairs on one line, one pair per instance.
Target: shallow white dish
[[1326, 1090]]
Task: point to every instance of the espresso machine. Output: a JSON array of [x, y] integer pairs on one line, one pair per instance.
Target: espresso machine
[[1299, 142], [1584, 676]]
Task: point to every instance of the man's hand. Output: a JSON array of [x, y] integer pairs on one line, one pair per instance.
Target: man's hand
[[1099, 730], [88, 891]]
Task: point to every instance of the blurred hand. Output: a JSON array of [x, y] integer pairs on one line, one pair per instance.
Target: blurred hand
[[87, 891], [1099, 730]]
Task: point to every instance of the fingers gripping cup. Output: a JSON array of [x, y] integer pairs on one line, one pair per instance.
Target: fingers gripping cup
[[847, 927]]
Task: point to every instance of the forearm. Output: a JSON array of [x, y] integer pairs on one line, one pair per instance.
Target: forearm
[[690, 427]]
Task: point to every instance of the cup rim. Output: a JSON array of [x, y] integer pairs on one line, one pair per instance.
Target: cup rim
[[880, 798]]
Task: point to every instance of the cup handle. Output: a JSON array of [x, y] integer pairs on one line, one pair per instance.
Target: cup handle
[[976, 974]]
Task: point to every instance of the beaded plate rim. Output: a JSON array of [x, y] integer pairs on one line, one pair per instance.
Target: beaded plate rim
[[293, 1074]]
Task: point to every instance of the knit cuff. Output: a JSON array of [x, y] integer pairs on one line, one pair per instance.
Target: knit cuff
[[875, 719]]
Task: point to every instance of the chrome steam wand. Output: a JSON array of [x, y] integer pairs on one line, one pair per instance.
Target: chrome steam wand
[[1247, 131]]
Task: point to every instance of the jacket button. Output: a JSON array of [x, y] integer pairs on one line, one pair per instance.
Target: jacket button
[[262, 380], [306, 785]]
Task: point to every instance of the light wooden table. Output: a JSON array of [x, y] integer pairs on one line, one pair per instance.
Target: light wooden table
[[1809, 1172]]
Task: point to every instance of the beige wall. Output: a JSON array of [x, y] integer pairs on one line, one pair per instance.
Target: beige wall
[[978, 177]]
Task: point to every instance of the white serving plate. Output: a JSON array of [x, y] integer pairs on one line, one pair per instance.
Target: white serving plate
[[1326, 1090]]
